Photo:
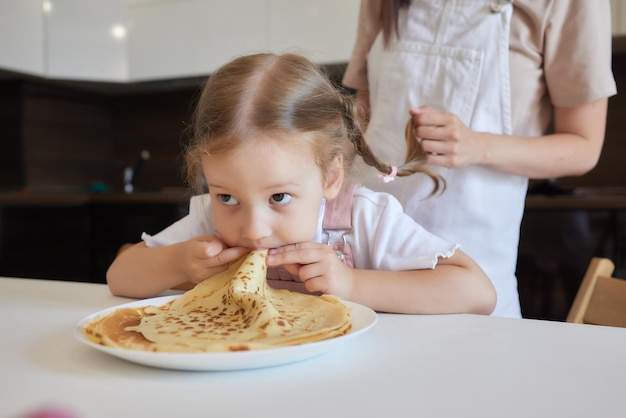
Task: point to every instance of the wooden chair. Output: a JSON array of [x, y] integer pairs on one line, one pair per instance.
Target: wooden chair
[[601, 298]]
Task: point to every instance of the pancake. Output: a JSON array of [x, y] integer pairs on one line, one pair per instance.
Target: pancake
[[235, 310], [111, 330]]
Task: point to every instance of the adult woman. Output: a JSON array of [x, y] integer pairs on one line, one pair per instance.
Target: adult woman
[[515, 90]]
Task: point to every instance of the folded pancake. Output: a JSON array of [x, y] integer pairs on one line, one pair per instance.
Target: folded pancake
[[234, 310]]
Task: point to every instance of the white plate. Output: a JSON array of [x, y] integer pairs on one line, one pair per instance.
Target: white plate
[[363, 319]]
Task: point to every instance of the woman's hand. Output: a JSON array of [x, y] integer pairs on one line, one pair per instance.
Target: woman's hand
[[206, 255], [317, 265], [446, 140]]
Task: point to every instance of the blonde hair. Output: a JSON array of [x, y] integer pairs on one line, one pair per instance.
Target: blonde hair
[[277, 95]]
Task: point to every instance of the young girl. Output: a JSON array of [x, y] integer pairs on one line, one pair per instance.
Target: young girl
[[274, 142]]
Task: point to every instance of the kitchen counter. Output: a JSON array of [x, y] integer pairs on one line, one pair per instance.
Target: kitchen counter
[[406, 365], [581, 198], [612, 199], [74, 198]]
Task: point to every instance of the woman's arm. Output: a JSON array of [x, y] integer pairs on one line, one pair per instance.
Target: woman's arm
[[369, 25], [573, 149]]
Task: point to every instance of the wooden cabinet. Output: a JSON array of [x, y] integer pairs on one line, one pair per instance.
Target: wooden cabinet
[[45, 241], [74, 238], [114, 224]]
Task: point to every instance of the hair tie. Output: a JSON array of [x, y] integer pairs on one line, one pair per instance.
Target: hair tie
[[391, 176]]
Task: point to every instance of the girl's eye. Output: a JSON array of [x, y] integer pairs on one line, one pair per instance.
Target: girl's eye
[[280, 198], [227, 199]]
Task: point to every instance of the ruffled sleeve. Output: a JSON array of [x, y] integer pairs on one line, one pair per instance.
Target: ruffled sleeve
[[197, 222]]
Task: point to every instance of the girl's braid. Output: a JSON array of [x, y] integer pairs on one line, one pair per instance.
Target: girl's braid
[[415, 155]]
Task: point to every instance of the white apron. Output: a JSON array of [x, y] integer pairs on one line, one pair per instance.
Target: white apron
[[453, 55]]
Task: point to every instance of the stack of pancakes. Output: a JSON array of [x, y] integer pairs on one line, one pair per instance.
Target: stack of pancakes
[[234, 310]]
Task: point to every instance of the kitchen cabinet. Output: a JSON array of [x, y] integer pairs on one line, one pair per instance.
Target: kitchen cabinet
[[171, 39], [47, 240], [85, 40], [324, 30], [64, 39], [142, 40], [115, 223], [77, 236], [22, 36]]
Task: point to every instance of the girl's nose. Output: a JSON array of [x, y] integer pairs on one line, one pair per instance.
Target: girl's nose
[[255, 225]]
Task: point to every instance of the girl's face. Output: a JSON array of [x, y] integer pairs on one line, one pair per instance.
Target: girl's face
[[268, 194]]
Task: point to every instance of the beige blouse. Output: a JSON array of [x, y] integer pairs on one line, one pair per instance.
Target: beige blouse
[[560, 55]]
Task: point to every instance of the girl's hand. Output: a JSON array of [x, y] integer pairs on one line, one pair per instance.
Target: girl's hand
[[446, 140], [317, 265], [206, 255]]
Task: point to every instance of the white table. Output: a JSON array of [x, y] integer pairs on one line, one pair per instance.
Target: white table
[[416, 366]]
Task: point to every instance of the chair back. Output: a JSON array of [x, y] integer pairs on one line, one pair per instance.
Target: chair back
[[601, 298]]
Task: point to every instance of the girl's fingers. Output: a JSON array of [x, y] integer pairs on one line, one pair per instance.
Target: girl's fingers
[[300, 253]]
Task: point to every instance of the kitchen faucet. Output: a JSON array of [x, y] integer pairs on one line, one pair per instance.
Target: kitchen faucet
[[131, 172]]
